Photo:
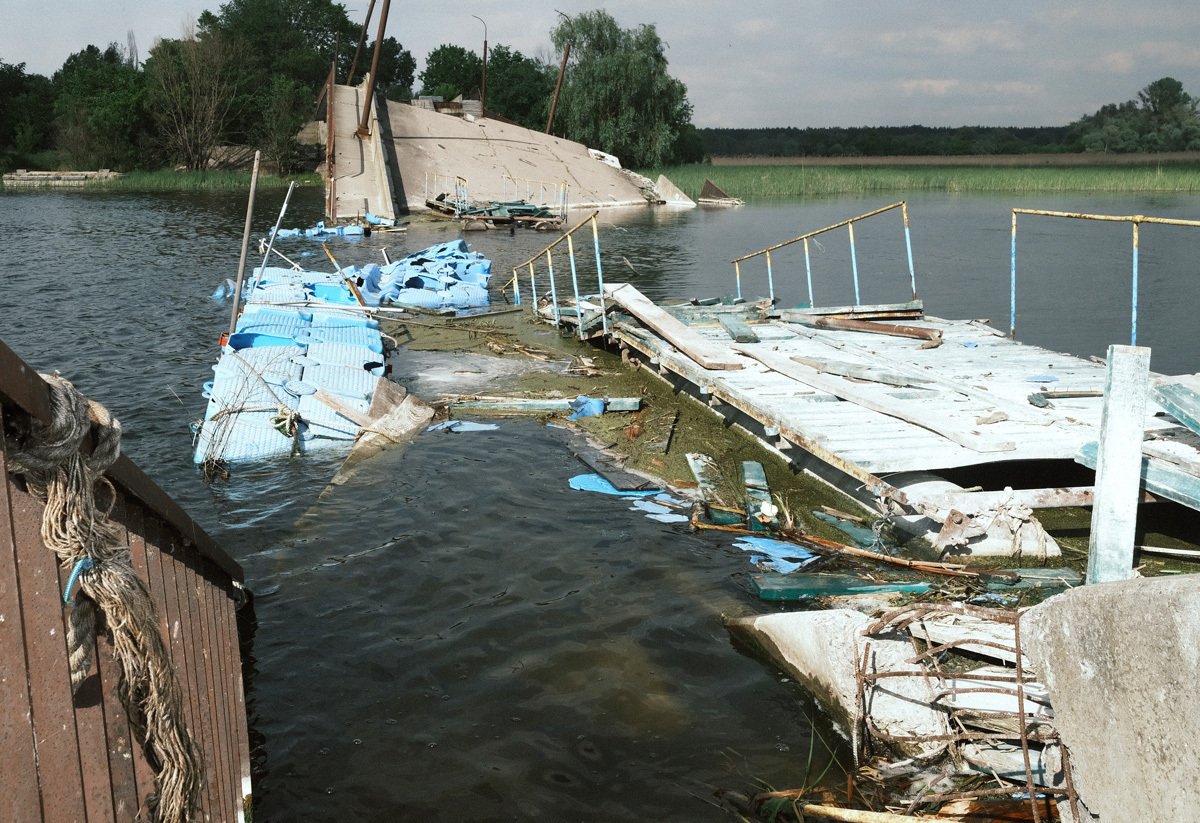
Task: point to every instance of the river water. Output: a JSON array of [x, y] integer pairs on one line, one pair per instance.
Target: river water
[[455, 634]]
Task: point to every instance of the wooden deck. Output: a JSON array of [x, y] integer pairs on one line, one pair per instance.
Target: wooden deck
[[76, 757], [875, 408]]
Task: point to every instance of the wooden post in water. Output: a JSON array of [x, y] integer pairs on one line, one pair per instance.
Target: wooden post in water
[[237, 291], [1119, 464]]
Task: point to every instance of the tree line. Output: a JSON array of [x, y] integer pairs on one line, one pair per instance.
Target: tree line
[[1163, 117], [249, 74]]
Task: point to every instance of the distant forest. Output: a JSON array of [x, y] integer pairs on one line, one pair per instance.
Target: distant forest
[[1163, 117], [885, 141]]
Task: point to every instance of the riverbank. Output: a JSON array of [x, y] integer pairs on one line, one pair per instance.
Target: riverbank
[[777, 180], [166, 180]]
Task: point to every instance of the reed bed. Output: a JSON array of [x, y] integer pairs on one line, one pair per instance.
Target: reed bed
[[775, 182], [222, 180]]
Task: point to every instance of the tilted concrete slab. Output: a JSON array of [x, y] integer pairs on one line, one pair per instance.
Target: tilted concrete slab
[[499, 161], [1121, 663], [361, 182]]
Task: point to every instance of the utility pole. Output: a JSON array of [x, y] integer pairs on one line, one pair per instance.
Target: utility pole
[[483, 84]]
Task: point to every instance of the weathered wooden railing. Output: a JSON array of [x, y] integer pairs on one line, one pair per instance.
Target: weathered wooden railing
[[1135, 219], [77, 757], [551, 284], [804, 238]]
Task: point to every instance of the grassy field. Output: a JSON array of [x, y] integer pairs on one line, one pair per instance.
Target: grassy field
[[224, 180], [782, 181]]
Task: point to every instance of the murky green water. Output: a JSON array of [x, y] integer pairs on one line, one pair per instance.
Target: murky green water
[[455, 634]]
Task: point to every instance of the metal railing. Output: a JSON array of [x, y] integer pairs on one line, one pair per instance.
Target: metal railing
[[536, 192], [1135, 219], [804, 238], [438, 183], [548, 255]]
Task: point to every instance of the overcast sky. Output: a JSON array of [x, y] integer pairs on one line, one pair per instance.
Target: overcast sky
[[769, 62]]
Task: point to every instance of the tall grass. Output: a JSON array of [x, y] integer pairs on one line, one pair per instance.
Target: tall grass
[[767, 182], [216, 180]]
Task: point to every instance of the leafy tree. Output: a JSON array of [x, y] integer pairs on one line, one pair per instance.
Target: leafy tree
[[396, 69], [450, 71], [283, 108], [617, 95], [519, 87], [26, 115], [1162, 118], [99, 106], [193, 87]]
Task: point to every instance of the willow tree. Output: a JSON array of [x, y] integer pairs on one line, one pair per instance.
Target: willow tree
[[617, 95]]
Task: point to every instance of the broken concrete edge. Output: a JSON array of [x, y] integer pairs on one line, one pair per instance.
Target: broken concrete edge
[[822, 650], [1120, 662]]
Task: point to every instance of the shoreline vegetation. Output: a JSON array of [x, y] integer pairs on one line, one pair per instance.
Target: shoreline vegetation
[[766, 178], [216, 180]]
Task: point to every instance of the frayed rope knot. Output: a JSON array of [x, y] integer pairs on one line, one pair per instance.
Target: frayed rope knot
[[76, 527]]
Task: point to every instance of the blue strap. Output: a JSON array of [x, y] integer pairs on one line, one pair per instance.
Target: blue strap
[[85, 564]]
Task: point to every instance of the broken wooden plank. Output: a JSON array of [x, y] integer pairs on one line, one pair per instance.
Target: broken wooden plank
[[870, 327], [693, 345], [919, 413], [1158, 477], [394, 417], [1180, 396], [332, 401], [736, 328], [537, 405], [760, 511], [605, 465], [908, 310], [707, 478], [859, 371]]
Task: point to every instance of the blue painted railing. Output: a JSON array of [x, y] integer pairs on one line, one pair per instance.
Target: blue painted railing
[[1135, 219], [804, 238]]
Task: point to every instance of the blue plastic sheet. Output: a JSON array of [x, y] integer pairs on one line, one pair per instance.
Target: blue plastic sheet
[[461, 426], [584, 406], [596, 483], [776, 555]]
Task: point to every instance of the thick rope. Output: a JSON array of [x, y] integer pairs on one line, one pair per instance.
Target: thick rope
[[76, 527]]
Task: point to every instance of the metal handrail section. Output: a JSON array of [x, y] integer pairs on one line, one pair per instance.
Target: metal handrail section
[[547, 193], [1135, 219], [804, 238], [547, 253]]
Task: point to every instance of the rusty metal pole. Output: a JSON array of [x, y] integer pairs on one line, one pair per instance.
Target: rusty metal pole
[[363, 131], [241, 272], [483, 83], [562, 68], [362, 39]]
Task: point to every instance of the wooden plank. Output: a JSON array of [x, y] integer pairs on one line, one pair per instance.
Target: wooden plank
[[607, 467], [1180, 397], [737, 328], [1114, 513], [538, 405], [918, 413], [790, 588], [219, 755], [860, 371], [331, 400], [148, 567], [1158, 477], [909, 309], [676, 333], [758, 497], [58, 760], [19, 800], [871, 327]]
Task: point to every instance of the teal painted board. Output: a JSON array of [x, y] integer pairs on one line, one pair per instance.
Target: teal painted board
[[738, 329], [1182, 401], [794, 587], [758, 496], [1158, 477]]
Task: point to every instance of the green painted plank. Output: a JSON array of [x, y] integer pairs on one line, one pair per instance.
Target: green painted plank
[[738, 329], [793, 587], [1181, 401], [754, 477], [1158, 477]]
